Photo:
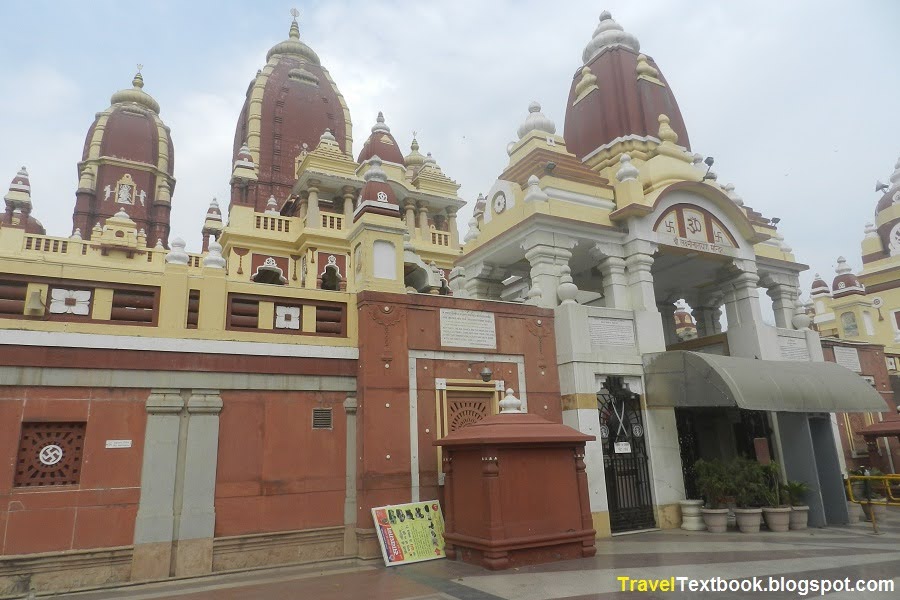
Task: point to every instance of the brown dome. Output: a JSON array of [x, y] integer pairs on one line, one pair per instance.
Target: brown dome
[[819, 286], [128, 162], [289, 105], [845, 283], [616, 93], [382, 144]]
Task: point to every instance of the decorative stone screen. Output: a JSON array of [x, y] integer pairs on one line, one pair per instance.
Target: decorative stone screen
[[49, 454]]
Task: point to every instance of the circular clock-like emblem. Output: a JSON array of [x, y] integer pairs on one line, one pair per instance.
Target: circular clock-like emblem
[[382, 197], [499, 203], [604, 432]]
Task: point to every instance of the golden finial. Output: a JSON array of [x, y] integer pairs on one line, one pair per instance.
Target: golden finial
[[295, 30], [138, 80]]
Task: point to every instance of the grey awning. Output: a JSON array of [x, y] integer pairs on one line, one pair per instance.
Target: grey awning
[[693, 379]]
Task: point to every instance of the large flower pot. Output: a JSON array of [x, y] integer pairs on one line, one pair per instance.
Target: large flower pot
[[748, 519], [715, 519], [777, 519], [799, 517], [691, 519]]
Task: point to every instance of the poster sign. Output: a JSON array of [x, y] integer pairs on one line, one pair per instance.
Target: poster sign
[[622, 447], [410, 533]]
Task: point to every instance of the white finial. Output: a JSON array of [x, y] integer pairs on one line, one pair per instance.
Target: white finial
[[327, 136], [800, 320], [536, 121], [627, 172], [566, 289], [77, 235], [870, 230], [177, 255], [214, 259], [159, 245], [842, 266], [375, 172], [534, 193], [473, 231], [608, 34], [510, 404], [121, 214], [272, 206], [429, 159], [380, 125]]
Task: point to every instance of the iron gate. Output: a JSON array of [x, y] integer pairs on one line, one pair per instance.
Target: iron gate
[[624, 458]]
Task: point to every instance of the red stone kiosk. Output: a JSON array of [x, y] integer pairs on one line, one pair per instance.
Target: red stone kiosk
[[515, 491]]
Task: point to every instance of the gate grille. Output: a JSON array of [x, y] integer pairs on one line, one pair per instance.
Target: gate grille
[[624, 458]]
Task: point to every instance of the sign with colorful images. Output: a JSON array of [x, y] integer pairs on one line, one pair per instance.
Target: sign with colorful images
[[410, 533]]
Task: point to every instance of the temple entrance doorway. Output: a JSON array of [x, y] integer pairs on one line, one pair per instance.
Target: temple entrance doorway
[[625, 460]]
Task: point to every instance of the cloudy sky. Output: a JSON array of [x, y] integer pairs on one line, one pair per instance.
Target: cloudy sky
[[797, 101]]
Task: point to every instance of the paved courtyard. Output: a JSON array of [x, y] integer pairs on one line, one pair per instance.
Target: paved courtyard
[[821, 554]]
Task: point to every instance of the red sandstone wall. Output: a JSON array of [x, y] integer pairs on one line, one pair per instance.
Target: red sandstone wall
[[275, 473], [412, 323], [871, 360], [100, 510]]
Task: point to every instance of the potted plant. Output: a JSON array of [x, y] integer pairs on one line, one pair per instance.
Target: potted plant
[[715, 485], [796, 490], [748, 487], [776, 513]]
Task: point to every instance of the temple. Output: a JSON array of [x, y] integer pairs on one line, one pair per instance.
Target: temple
[[165, 413]]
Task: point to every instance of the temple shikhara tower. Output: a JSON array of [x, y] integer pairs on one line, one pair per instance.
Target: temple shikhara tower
[[165, 413]]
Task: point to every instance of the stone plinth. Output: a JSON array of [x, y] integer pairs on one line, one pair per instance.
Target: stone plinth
[[516, 492]]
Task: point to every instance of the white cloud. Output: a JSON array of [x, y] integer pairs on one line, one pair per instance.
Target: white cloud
[[796, 100]]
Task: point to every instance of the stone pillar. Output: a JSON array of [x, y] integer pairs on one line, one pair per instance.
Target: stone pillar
[[546, 256], [154, 526], [196, 523], [451, 225], [350, 542], [313, 216], [708, 319], [667, 314], [783, 298], [745, 325], [304, 205], [410, 208], [647, 320], [348, 206], [615, 283], [423, 220]]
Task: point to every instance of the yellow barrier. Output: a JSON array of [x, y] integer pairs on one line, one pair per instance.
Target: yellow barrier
[[877, 489]]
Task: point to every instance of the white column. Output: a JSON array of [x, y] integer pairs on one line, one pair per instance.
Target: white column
[[667, 314], [546, 254], [423, 221], [155, 523], [410, 208], [783, 298], [451, 225], [647, 320], [349, 192], [197, 519], [313, 216], [615, 282]]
